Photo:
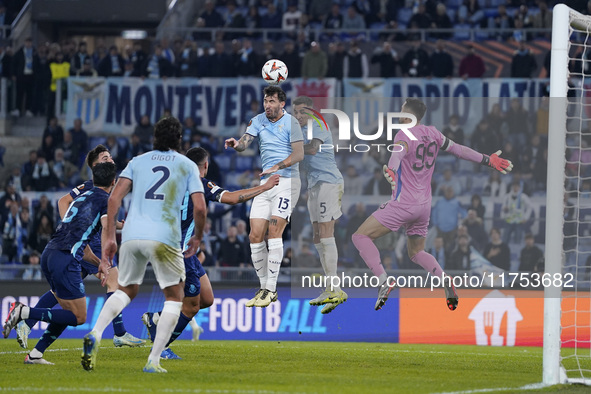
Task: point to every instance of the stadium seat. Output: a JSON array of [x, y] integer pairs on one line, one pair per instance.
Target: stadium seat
[[404, 15]]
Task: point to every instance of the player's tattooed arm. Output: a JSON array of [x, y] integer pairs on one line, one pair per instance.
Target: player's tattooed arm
[[297, 154], [240, 196], [244, 142], [312, 147]]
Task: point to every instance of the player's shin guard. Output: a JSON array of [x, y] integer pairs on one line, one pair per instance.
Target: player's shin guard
[[54, 330], [331, 257], [113, 306], [428, 262], [370, 254], [274, 262], [168, 319], [259, 255], [47, 300]]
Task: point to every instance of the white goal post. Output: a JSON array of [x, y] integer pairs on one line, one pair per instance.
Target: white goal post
[[567, 27]]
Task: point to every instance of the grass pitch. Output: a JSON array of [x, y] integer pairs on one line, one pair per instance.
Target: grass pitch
[[272, 367]]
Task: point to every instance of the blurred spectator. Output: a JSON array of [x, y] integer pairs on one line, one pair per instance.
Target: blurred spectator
[[144, 131], [476, 205], [246, 63], [497, 252], [441, 21], [10, 196], [137, 58], [42, 82], [71, 152], [54, 130], [269, 52], [63, 170], [315, 62], [79, 59], [510, 154], [475, 227], [453, 130], [377, 185], [471, 65], [43, 177], [496, 118], [421, 19], [292, 59], [334, 20], [541, 170], [15, 178], [111, 65], [459, 258], [355, 64], [319, 9], [353, 20], [79, 137], [253, 21], [157, 66], [306, 258], [442, 63], [255, 108], [415, 62], [484, 139], [530, 255], [471, 11], [516, 211], [446, 215], [60, 70], [220, 64], [524, 62], [43, 208], [99, 53], [242, 233], [438, 251], [5, 63], [291, 17], [501, 20], [136, 148], [118, 151], [387, 58], [27, 171], [210, 16], [353, 182], [234, 19], [42, 232], [272, 20], [449, 180], [204, 61], [518, 123], [523, 15], [25, 66], [22, 235], [33, 273], [87, 70], [9, 232], [543, 19], [336, 57], [232, 251], [187, 60]]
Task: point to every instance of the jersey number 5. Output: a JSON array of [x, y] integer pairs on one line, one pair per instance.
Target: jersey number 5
[[151, 193]]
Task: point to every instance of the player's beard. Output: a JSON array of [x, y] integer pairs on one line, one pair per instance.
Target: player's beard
[[273, 114]]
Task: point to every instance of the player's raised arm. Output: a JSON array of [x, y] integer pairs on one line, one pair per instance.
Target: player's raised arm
[[297, 155], [199, 216], [239, 145], [240, 196], [463, 152]]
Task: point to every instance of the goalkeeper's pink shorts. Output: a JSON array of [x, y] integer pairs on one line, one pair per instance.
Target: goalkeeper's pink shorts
[[414, 218]]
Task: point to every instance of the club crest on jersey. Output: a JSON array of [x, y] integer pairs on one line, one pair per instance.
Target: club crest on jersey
[[249, 123], [211, 185], [81, 187]]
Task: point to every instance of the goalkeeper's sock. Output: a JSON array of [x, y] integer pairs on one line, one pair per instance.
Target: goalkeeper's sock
[[369, 253], [428, 263]]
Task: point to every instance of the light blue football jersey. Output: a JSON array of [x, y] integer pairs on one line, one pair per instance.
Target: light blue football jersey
[[160, 181], [322, 166], [275, 140]]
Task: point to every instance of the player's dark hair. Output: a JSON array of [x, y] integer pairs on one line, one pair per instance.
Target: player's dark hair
[[103, 174], [167, 134], [415, 107], [197, 155], [275, 90], [307, 101], [93, 155]]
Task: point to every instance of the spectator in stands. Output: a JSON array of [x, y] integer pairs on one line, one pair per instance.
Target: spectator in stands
[[518, 123], [247, 62], [63, 170], [25, 65], [496, 119], [438, 251], [485, 139], [459, 258], [449, 180], [446, 216], [319, 9], [144, 131], [9, 232], [512, 155], [269, 53], [421, 19], [471, 65], [135, 147], [353, 182], [43, 177], [442, 64], [291, 17], [79, 137], [476, 204], [497, 252], [516, 211], [157, 66], [78, 60], [100, 53], [10, 196], [387, 58], [55, 131], [415, 62], [475, 228], [232, 251], [502, 20], [315, 63], [111, 65], [186, 61], [220, 64], [241, 232], [272, 20], [255, 108], [377, 185], [541, 170], [336, 58], [22, 235], [253, 21], [292, 59], [210, 16], [137, 58], [471, 11], [543, 19], [454, 130], [42, 82], [71, 152], [87, 70], [523, 63], [353, 20], [306, 258], [234, 19], [5, 62], [27, 171], [530, 255], [441, 21], [60, 70], [42, 232], [355, 64], [15, 178], [31, 273]]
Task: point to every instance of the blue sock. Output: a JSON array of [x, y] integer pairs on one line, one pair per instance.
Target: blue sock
[[58, 316], [118, 326], [47, 300], [54, 330], [180, 326]]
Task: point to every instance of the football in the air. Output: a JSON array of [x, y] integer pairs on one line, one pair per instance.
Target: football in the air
[[274, 72]]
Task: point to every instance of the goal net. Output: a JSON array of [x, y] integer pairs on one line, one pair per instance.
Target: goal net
[[567, 313]]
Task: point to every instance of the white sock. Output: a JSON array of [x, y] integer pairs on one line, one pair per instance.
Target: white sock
[[331, 257], [112, 307], [194, 324], [274, 262], [168, 319], [25, 312], [156, 317], [259, 255], [320, 249], [35, 353]]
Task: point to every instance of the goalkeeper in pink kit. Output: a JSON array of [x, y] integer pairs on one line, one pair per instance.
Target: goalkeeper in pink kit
[[409, 171]]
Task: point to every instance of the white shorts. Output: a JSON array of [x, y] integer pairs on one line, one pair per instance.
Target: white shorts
[[324, 202], [167, 262], [278, 201]]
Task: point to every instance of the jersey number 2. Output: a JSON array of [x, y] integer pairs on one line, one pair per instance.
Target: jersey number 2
[[151, 193]]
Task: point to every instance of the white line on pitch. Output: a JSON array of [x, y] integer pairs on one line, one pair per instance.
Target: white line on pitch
[[534, 386]]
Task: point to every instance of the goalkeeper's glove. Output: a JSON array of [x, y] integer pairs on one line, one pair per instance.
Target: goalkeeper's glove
[[498, 163], [390, 176]]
